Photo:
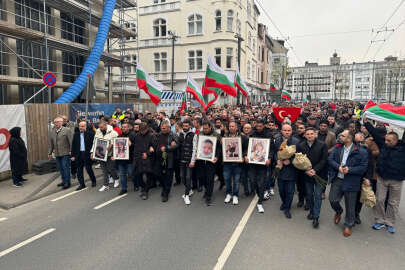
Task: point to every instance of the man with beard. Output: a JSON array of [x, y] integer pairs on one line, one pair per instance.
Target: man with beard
[[288, 173], [247, 130], [317, 153], [257, 172], [144, 150], [125, 166], [326, 136], [186, 138], [167, 144], [333, 126], [206, 169], [106, 132]]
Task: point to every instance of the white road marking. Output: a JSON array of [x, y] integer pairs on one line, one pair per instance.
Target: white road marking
[[67, 195], [235, 236], [3, 219], [110, 201], [26, 242]]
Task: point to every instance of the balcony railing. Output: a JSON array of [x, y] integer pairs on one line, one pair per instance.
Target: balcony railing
[[163, 7]]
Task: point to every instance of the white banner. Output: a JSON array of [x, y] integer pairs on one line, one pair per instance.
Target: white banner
[[11, 116]]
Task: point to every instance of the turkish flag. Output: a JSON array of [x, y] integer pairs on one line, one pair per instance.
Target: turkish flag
[[291, 112], [333, 106]]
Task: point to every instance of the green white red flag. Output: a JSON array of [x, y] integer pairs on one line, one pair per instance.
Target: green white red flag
[[216, 77], [151, 87], [183, 103], [387, 113], [272, 87], [285, 95], [194, 89], [241, 85], [369, 104]]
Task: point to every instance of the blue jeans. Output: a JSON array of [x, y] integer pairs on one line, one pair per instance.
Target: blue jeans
[[286, 190], [314, 197], [232, 171], [16, 178], [63, 163], [125, 170]]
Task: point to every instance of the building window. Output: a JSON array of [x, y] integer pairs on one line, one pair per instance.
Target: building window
[[29, 13], [262, 54], [72, 65], [250, 40], [248, 70], [159, 28], [218, 20], [253, 72], [195, 24], [229, 24], [254, 45], [73, 29], [229, 57], [195, 61], [249, 10], [261, 77], [218, 56], [35, 55], [160, 60], [159, 1]]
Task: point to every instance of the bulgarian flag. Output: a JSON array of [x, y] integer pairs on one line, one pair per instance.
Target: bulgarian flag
[[195, 90], [151, 87], [216, 77], [216, 92], [183, 103], [285, 95], [272, 87], [240, 84], [387, 113]]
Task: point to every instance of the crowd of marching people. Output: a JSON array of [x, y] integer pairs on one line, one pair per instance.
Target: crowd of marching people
[[346, 151]]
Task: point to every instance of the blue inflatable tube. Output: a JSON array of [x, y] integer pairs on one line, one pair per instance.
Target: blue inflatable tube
[[94, 58]]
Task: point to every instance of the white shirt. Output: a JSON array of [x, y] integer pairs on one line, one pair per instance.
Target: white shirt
[[346, 152]]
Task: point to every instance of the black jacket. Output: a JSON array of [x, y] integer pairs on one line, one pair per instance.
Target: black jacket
[[18, 152], [186, 146], [141, 143], [170, 150], [88, 143], [289, 172], [391, 160], [318, 155]]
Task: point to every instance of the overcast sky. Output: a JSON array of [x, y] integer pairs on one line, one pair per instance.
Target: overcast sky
[[305, 17]]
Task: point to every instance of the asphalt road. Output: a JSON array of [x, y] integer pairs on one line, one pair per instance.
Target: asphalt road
[[134, 234]]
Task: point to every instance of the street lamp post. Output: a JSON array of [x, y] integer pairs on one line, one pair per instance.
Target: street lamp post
[[240, 39], [389, 95], [173, 38]]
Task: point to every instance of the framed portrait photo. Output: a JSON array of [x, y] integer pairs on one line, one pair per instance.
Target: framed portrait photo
[[258, 150], [121, 149], [101, 149], [232, 149], [206, 147]]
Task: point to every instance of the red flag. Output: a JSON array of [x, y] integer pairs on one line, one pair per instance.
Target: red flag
[[291, 112], [369, 104]]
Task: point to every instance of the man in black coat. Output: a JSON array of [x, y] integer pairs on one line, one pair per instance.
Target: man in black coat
[[125, 167], [167, 144], [144, 152], [81, 147], [317, 153], [18, 156], [186, 138]]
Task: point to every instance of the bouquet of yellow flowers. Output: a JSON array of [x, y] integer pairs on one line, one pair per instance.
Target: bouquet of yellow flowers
[[285, 152], [302, 162], [367, 196]]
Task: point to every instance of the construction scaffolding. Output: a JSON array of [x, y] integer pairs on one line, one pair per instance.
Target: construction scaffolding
[[57, 35]]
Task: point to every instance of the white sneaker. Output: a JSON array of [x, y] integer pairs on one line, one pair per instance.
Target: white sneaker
[[235, 200], [186, 199], [271, 192], [260, 208], [103, 188], [266, 195], [228, 198], [98, 166], [111, 180], [191, 192], [116, 183]]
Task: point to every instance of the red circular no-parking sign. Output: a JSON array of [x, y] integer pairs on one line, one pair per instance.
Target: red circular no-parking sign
[[4, 131], [49, 79]]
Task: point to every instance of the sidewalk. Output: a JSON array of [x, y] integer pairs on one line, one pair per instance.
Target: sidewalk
[[37, 186]]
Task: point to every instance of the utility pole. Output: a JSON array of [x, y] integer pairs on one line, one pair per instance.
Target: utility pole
[[403, 90], [240, 39], [389, 95], [173, 38]]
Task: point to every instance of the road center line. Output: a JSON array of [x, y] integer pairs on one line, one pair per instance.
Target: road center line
[[67, 195], [26, 242], [3, 219], [235, 236], [110, 201]]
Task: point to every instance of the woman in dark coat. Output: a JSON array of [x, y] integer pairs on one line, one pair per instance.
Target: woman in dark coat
[[18, 156]]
